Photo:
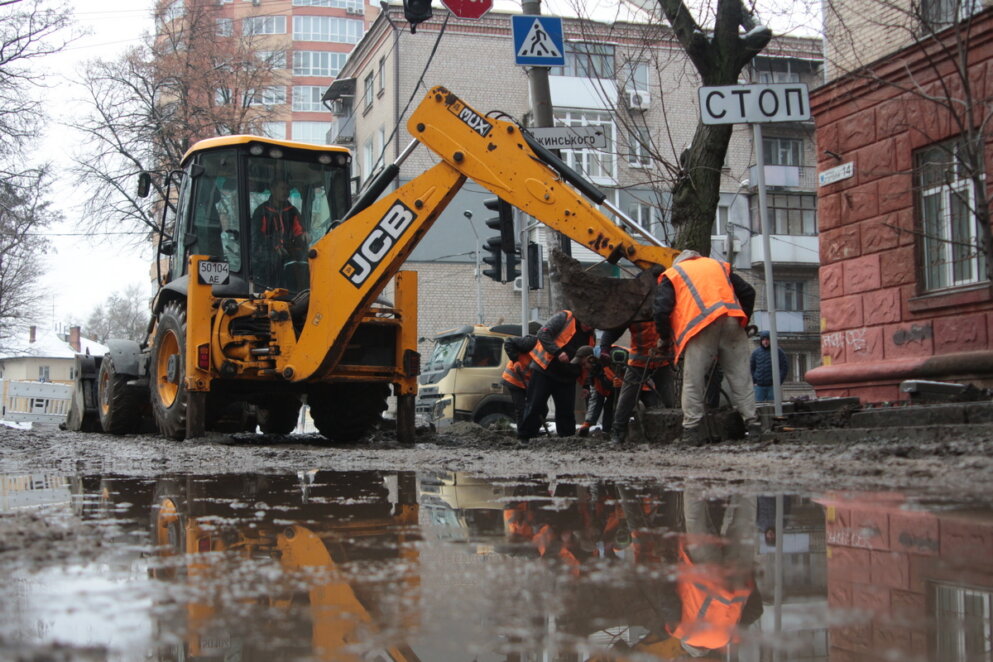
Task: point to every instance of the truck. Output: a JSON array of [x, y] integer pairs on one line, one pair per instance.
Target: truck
[[462, 378], [259, 311]]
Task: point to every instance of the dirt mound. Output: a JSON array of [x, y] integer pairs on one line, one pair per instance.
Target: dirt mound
[[605, 303]]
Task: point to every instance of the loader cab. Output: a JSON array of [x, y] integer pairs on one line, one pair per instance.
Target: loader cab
[[258, 205]]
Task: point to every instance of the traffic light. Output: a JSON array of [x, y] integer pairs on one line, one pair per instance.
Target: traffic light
[[536, 277], [503, 223], [416, 11], [492, 246]]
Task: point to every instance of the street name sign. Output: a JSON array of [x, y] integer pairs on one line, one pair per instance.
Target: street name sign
[[468, 8], [570, 137], [538, 40], [836, 174], [753, 104]]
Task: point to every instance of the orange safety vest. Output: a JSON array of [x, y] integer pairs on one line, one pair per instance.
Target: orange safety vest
[[711, 610], [517, 373], [644, 339], [542, 356], [604, 382], [703, 294]]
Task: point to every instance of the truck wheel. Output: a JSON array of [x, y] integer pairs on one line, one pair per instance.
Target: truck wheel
[[279, 414], [497, 420], [120, 405], [83, 413], [167, 374], [345, 412]]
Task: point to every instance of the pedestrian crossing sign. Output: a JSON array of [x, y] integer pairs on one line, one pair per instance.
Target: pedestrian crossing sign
[[538, 41]]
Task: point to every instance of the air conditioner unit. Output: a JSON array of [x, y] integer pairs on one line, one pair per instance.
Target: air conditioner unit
[[518, 284], [637, 100], [355, 11]]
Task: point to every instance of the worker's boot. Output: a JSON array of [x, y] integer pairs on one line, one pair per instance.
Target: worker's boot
[[618, 434], [584, 429], [754, 428], [695, 436]]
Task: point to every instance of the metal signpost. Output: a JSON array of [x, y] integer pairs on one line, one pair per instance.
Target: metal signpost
[[756, 105]]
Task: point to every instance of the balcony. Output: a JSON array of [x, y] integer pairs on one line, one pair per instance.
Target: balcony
[[786, 249], [800, 178], [789, 322]]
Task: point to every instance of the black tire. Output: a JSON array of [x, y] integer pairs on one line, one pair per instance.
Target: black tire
[[167, 372], [83, 405], [345, 412], [120, 405], [279, 414], [497, 420]]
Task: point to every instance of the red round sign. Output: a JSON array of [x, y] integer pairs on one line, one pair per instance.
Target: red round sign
[[468, 8]]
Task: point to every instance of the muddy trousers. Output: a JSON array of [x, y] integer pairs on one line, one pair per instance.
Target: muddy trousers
[[663, 396], [563, 394], [519, 397], [726, 341], [599, 403]]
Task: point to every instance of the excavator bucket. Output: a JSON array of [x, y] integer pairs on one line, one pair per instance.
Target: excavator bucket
[[604, 302]]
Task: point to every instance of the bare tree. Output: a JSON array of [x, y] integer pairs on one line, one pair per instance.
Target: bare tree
[[718, 43], [124, 316], [191, 80], [29, 31], [930, 53]]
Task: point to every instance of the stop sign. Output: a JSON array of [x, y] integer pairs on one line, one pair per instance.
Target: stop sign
[[468, 8]]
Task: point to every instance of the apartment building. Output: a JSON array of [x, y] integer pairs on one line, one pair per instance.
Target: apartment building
[[306, 42], [903, 137], [634, 83]]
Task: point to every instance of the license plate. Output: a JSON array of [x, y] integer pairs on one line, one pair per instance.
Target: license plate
[[214, 273]]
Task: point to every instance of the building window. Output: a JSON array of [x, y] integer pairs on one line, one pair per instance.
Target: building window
[[951, 242], [963, 622], [788, 214], [639, 153], [788, 295], [721, 221], [44, 373], [381, 78], [783, 151], [636, 77], [368, 90], [224, 27], [586, 60], [354, 6], [174, 10], [263, 25], [274, 59], [327, 28], [766, 77], [367, 158], [311, 132], [798, 364], [939, 14], [274, 95], [274, 130], [318, 63], [590, 162], [307, 98]]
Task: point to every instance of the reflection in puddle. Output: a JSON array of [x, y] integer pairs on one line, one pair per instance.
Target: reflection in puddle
[[446, 566]]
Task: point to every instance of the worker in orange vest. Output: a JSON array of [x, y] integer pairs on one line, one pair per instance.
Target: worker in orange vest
[[701, 310], [603, 385], [646, 364], [554, 374], [517, 373]]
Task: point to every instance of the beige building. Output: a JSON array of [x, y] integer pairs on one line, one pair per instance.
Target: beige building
[[46, 356], [633, 82]]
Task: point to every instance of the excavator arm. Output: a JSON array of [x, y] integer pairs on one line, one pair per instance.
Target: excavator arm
[[353, 263]]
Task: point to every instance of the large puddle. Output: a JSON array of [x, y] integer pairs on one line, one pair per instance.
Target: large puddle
[[404, 566]]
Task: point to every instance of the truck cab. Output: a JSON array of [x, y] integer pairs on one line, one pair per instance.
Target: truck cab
[[461, 380]]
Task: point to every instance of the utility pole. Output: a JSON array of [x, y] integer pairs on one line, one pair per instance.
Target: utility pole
[[541, 101]]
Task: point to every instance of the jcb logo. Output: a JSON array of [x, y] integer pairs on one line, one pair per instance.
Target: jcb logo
[[379, 242]]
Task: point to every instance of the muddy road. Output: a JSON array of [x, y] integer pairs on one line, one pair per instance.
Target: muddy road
[[471, 546]]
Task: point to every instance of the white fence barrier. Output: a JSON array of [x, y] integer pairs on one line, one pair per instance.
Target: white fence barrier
[[36, 402]]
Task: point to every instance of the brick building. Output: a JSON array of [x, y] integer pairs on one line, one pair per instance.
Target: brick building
[[903, 281], [631, 80]]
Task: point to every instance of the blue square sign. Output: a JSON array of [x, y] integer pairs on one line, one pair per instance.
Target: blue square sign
[[538, 41]]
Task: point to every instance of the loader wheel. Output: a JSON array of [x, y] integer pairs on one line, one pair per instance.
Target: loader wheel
[[167, 374], [279, 414], [120, 405], [346, 412]]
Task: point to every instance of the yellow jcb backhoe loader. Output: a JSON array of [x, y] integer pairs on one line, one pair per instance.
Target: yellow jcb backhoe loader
[[275, 278]]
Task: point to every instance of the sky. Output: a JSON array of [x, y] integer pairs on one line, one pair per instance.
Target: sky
[[82, 271]]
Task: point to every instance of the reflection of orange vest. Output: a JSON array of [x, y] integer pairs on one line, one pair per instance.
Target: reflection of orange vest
[[542, 356], [711, 610], [703, 294], [517, 372]]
